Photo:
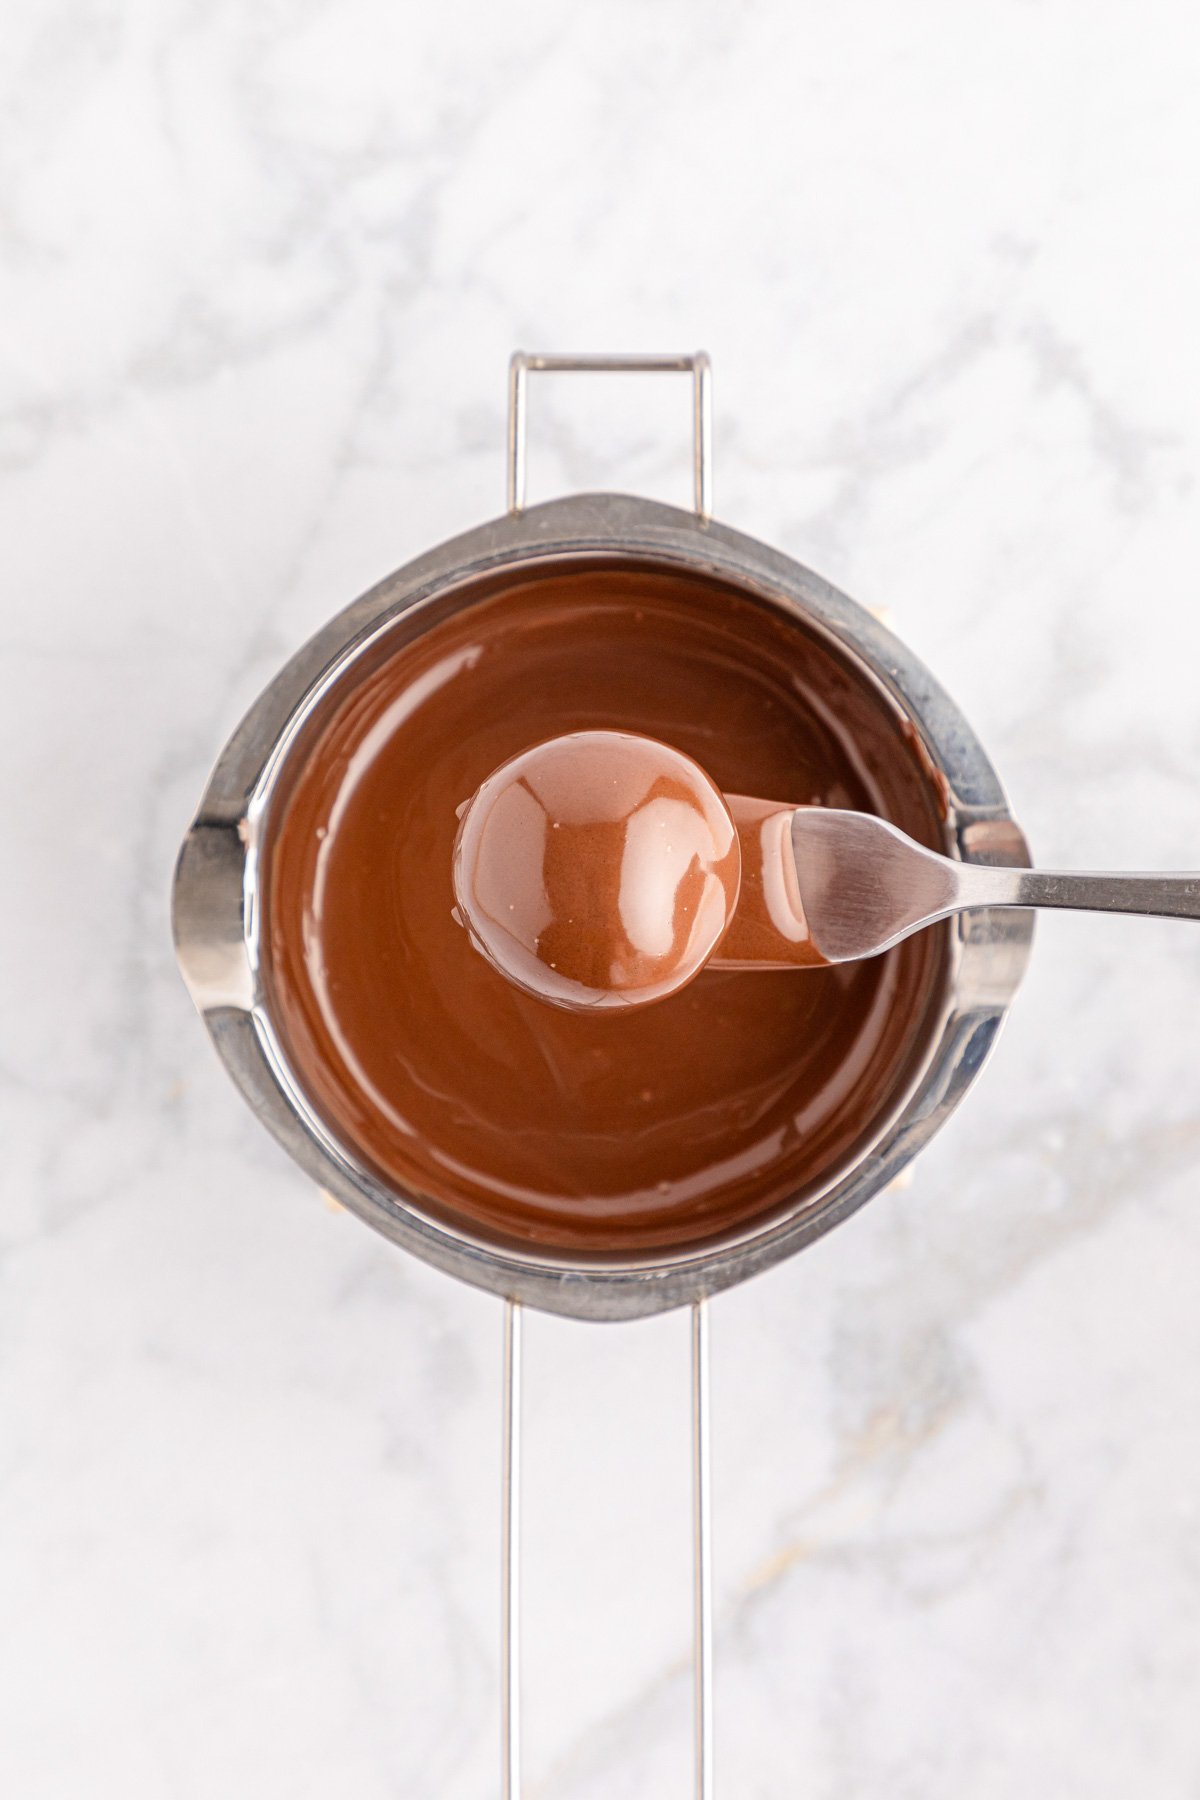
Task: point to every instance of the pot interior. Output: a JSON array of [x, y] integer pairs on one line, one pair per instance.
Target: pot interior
[[610, 1139]]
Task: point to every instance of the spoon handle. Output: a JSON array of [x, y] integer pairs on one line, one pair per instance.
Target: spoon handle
[[1159, 896]]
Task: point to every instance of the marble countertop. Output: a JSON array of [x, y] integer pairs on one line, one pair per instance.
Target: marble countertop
[[261, 267]]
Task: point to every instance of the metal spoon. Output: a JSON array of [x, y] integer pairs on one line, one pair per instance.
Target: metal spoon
[[865, 886]]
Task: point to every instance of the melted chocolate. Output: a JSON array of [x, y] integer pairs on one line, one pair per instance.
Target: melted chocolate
[[614, 1133], [768, 929]]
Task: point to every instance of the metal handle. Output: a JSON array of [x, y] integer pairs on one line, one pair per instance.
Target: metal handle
[[697, 365], [510, 1603], [699, 368], [1154, 896], [510, 1561]]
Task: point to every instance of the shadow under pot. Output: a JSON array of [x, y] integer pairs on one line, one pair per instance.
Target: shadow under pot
[[605, 1165]]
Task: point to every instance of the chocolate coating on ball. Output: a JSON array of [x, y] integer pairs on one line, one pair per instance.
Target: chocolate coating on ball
[[599, 869]]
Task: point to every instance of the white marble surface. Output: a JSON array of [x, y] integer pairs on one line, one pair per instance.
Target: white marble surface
[[260, 269]]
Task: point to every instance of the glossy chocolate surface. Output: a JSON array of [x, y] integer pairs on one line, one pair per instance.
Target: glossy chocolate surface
[[612, 1133], [767, 929], [599, 869]]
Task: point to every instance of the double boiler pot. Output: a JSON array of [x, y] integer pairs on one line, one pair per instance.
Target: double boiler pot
[[603, 1168]]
